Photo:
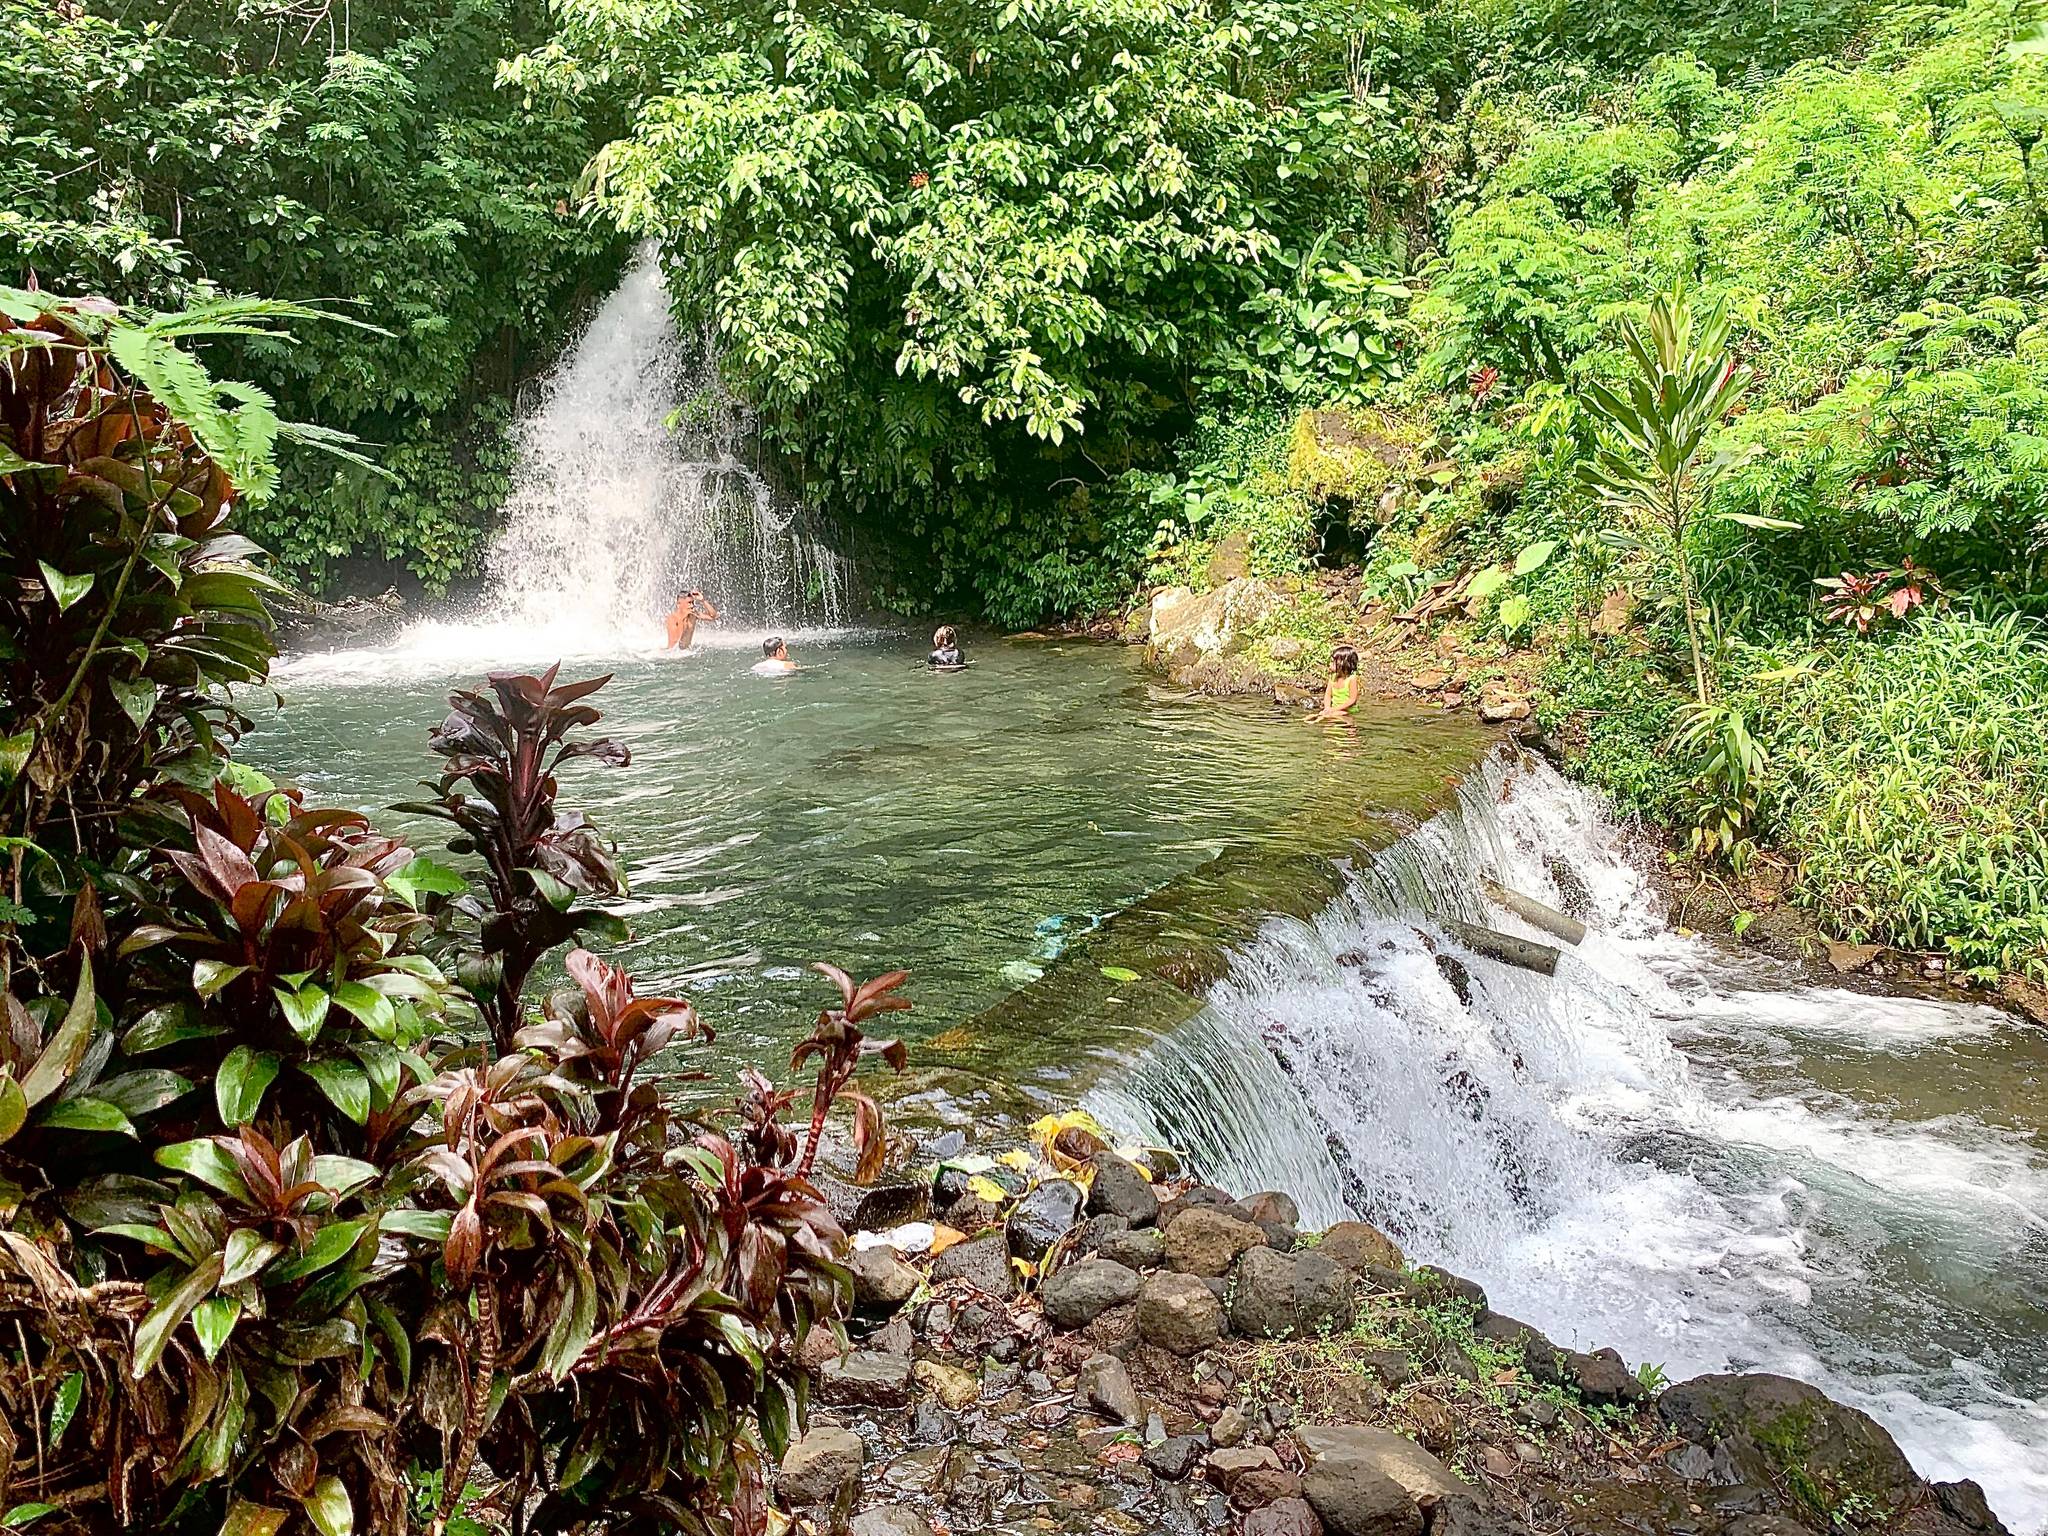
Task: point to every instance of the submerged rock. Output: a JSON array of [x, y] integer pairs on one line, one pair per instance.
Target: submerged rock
[[889, 1520]]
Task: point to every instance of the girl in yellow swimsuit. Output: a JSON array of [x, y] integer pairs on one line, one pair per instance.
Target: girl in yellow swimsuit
[[1342, 690]]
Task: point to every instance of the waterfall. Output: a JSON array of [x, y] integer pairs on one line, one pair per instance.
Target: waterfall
[[630, 488], [1668, 1147]]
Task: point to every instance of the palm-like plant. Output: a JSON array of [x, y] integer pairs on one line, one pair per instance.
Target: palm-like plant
[[1651, 465]]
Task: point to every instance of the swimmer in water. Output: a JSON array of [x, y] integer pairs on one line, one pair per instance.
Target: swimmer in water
[[692, 608], [946, 655], [1341, 692], [774, 660]]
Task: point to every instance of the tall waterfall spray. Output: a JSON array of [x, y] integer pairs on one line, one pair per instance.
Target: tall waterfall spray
[[630, 488]]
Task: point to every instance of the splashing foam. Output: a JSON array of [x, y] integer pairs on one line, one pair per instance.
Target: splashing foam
[[1590, 1149], [630, 488]]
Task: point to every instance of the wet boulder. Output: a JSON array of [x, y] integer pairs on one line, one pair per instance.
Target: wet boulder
[[1287, 1517], [866, 1379], [1269, 1209], [1206, 1241], [1042, 1218], [1421, 1477], [1080, 1293], [983, 1263], [1603, 1378], [1120, 1188], [1359, 1247], [882, 1282], [889, 1520], [1104, 1385], [1784, 1433], [1179, 1313], [1173, 1458], [1141, 1248], [822, 1465], [1261, 1295]]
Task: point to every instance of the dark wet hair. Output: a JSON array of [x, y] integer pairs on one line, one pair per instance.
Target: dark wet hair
[[944, 636], [770, 646], [1344, 660]]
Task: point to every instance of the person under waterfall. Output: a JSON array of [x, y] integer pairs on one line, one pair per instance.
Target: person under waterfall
[[691, 609]]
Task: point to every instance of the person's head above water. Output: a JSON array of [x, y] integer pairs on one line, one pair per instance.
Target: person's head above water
[[945, 637], [1344, 660], [772, 648]]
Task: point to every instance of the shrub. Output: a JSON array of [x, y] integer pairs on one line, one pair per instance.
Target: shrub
[[1910, 779]]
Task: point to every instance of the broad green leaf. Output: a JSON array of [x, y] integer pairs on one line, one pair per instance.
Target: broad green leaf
[[1754, 520], [1486, 583], [66, 1048], [13, 1105], [244, 1077], [86, 1113], [142, 1091], [209, 976], [14, 751], [423, 877], [552, 891], [137, 699], [153, 1333], [304, 1009], [246, 1519], [205, 1160], [328, 1507], [1120, 973], [66, 589], [371, 1008], [1532, 556], [213, 1320], [330, 1245], [343, 1175], [247, 1252], [170, 1025], [23, 1515], [1514, 612], [64, 1405], [432, 1225], [346, 1085], [385, 1068]]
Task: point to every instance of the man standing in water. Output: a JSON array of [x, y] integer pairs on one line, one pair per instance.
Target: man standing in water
[[691, 607]]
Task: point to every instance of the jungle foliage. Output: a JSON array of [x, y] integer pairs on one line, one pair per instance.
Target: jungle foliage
[[167, 155], [309, 1218]]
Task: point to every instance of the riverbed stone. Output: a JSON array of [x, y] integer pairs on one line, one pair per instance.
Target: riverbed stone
[[889, 1520], [983, 1262], [1174, 1457], [1226, 1466], [1287, 1517], [1261, 1295], [1105, 1386], [1264, 1485], [1207, 1242], [1197, 1197], [1043, 1217], [1457, 1515], [1354, 1498], [1424, 1478], [1184, 625], [882, 1282], [1603, 1378], [1395, 1368], [1269, 1208], [1780, 1431], [1179, 1313], [952, 1385], [1120, 1188], [1325, 1294], [1077, 1295], [1139, 1248], [1359, 1247], [822, 1466], [866, 1379]]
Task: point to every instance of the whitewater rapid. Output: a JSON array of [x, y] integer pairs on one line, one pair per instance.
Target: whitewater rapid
[[1683, 1151]]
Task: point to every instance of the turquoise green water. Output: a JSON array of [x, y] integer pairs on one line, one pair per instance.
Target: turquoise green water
[[969, 827]]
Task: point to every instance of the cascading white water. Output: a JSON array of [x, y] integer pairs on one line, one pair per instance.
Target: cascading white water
[[630, 488], [1666, 1147]]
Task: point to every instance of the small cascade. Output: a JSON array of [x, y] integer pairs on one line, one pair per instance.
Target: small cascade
[[1646, 1150]]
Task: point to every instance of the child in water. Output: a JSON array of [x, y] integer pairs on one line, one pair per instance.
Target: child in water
[[774, 660], [946, 656], [1341, 692]]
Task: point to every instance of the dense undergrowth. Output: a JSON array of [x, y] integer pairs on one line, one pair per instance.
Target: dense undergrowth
[[312, 1215]]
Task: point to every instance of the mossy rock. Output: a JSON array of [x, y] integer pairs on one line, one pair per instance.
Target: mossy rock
[[1836, 1461], [1353, 456]]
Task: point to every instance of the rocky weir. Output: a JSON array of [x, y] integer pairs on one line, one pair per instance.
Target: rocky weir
[[1097, 1346]]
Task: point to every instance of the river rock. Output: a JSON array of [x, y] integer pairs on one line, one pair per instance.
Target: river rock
[[1964, 1502], [1080, 1293], [889, 1520], [822, 1466], [1098, 1230], [1184, 625], [1197, 1197], [958, 1389], [1543, 1359], [866, 1379], [1207, 1242], [1270, 1209], [1179, 1313], [1105, 1386], [1264, 1485], [1456, 1515], [1141, 1248], [983, 1262], [1228, 1465], [1603, 1378], [1288, 1517], [1261, 1295], [1230, 1427], [1433, 1283], [1354, 1498], [882, 1282], [1395, 1368], [1359, 1247], [1777, 1430], [1325, 1294], [1174, 1457], [1120, 1188], [1419, 1474], [1043, 1217]]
